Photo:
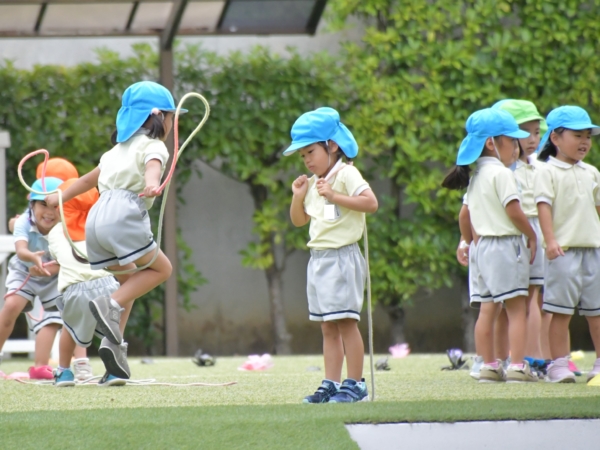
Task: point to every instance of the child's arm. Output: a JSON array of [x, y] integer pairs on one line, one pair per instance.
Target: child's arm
[[464, 223], [553, 250], [364, 202], [25, 255], [152, 177], [83, 184], [297, 213], [518, 218]]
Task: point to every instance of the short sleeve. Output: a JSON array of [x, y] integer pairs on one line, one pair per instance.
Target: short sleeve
[[506, 187], [465, 200], [543, 187], [355, 183], [22, 227], [156, 150]]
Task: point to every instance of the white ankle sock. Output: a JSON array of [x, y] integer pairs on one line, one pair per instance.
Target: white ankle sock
[[115, 304]]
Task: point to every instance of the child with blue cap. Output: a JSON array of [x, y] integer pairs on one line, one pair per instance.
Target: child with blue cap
[[501, 256], [31, 246], [118, 234], [567, 193], [334, 200]]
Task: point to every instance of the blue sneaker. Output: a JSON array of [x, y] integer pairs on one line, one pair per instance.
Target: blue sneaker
[[351, 392], [64, 378], [323, 394], [110, 380]]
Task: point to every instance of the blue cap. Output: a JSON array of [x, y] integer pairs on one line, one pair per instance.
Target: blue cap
[[570, 117], [51, 184], [138, 101], [483, 124], [321, 125]]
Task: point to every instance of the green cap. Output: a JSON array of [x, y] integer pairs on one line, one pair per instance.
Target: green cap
[[523, 111]]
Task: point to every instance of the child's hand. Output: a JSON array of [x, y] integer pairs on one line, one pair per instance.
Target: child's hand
[[151, 191], [324, 190], [532, 246], [38, 269], [462, 255], [300, 186], [553, 250], [52, 200]]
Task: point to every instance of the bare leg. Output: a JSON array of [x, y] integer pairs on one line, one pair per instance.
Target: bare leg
[[66, 347], [501, 343], [484, 330], [44, 341], [354, 347], [545, 329], [559, 335], [79, 352], [13, 306], [144, 281], [333, 351], [534, 324], [516, 309], [594, 324]]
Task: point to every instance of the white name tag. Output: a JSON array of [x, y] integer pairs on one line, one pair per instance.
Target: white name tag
[[332, 212]]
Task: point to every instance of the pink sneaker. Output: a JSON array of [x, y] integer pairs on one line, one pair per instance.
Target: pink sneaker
[[41, 373], [558, 372], [595, 370]]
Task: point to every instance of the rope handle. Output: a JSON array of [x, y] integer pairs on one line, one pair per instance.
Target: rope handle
[[164, 186]]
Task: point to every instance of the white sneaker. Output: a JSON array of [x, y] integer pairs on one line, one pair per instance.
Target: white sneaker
[[595, 370], [558, 372], [521, 375], [491, 374], [82, 369], [477, 364]]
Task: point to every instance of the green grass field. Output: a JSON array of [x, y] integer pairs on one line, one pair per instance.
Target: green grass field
[[263, 409]]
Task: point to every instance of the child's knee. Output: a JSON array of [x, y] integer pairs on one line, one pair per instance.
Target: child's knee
[[330, 330], [13, 306]]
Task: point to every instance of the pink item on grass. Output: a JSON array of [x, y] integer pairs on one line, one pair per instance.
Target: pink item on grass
[[17, 376], [256, 362], [399, 350], [41, 373]]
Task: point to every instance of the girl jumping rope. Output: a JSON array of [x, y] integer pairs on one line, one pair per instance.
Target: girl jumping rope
[[567, 193], [334, 200], [79, 285], [502, 257], [118, 234]]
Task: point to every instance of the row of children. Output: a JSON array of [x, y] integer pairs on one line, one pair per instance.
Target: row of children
[[530, 236], [107, 218]]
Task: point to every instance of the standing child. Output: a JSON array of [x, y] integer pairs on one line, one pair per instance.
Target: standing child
[[529, 119], [79, 285], [31, 246], [334, 200], [118, 234], [567, 192], [501, 256]]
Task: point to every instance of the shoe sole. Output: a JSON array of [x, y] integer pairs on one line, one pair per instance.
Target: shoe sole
[[110, 362], [475, 376], [65, 384], [103, 325], [112, 383], [487, 380], [563, 381]]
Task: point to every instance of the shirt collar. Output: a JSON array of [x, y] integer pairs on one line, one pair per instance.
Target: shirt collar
[[489, 160], [563, 165]]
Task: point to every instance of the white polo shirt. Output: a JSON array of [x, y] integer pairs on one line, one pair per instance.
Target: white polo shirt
[[573, 192], [525, 177], [491, 188], [124, 166]]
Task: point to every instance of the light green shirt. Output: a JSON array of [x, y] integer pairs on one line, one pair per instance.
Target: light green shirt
[[573, 192], [124, 166], [347, 227]]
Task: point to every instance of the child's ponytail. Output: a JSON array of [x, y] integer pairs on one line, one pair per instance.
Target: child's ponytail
[[457, 178], [549, 148]]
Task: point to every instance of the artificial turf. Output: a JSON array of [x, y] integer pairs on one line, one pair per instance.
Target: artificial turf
[[262, 410]]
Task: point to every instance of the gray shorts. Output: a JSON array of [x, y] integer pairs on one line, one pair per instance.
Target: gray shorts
[[536, 270], [573, 282], [503, 266], [46, 288], [38, 318], [335, 283], [75, 307], [473, 276], [117, 230]]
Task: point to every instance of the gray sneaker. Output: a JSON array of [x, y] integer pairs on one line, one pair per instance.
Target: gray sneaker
[[114, 358], [108, 317]]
